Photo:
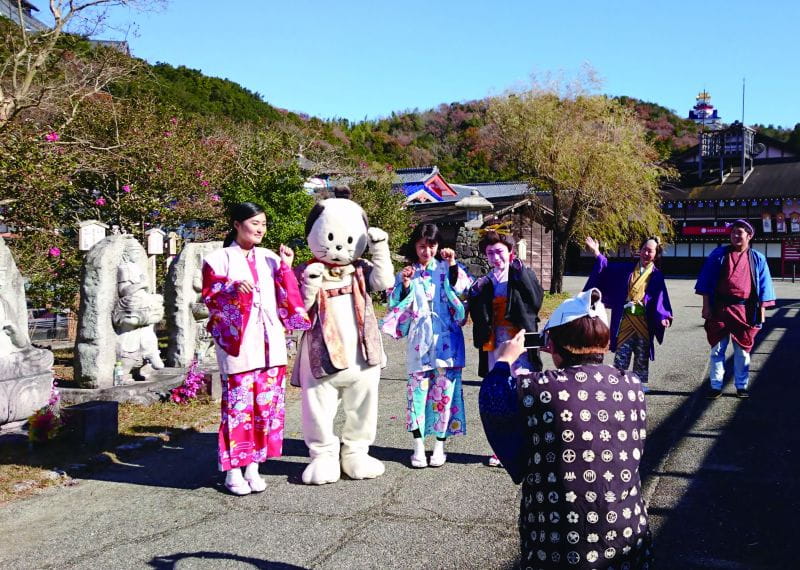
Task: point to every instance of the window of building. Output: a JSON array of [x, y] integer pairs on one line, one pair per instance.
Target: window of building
[[774, 250]]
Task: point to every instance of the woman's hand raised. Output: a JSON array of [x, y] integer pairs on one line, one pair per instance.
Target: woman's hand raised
[[287, 255]]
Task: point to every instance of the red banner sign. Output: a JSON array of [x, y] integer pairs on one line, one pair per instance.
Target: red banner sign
[[705, 231]]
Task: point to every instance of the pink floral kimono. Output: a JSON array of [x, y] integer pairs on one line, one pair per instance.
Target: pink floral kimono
[[249, 330]]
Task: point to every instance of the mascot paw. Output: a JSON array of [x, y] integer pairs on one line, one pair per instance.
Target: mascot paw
[[362, 466], [321, 470], [376, 235], [312, 275]]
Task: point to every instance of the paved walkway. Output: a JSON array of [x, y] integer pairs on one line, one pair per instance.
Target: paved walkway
[[721, 478]]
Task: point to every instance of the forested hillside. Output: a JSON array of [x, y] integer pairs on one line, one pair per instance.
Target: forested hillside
[[454, 136]]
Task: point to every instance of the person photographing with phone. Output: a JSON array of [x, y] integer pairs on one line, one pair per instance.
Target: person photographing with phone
[[573, 438]]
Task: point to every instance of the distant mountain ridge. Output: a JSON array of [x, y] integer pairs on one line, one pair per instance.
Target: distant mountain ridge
[[454, 136]]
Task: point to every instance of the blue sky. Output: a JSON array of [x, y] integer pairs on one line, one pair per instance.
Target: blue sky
[[356, 59]]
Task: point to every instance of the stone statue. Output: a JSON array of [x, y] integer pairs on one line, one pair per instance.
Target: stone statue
[[135, 315], [203, 343], [117, 315], [26, 373], [186, 314]]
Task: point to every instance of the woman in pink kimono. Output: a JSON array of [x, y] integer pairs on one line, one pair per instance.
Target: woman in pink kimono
[[251, 294]]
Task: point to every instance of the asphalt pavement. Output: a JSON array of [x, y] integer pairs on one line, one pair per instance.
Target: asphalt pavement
[[720, 477]]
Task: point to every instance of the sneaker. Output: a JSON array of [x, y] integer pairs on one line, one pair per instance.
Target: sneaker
[[419, 462], [437, 460], [713, 393], [256, 483], [236, 484], [494, 461], [742, 393], [238, 487]]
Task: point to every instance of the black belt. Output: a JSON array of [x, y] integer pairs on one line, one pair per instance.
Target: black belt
[[731, 300]]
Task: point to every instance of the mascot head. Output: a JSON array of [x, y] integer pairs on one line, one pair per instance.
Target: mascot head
[[336, 229]]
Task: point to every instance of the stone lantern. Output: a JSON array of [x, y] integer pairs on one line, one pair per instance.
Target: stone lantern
[[155, 241], [89, 233], [475, 205], [172, 248], [172, 243], [155, 247]]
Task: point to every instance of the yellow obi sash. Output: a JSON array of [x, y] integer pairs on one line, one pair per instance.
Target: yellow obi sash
[[634, 319]]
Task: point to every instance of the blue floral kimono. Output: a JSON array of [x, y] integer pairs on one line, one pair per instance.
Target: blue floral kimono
[[430, 315]]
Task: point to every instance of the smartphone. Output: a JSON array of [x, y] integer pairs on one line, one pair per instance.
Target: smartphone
[[533, 340]]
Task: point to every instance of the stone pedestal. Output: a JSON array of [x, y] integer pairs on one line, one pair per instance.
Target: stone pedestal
[[467, 252], [155, 389], [214, 383], [92, 423], [20, 397]]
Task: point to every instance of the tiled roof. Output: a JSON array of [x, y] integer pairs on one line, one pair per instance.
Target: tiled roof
[[462, 191], [491, 190], [406, 175]]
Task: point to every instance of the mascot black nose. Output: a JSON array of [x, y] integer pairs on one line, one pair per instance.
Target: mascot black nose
[[338, 247]]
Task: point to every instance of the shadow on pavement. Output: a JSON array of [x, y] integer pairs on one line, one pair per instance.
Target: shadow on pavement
[[742, 500], [190, 463], [169, 562]]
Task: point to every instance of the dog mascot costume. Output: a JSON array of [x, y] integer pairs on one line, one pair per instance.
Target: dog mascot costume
[[341, 356]]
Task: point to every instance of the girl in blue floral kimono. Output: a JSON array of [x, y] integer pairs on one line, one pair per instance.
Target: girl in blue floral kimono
[[425, 305]]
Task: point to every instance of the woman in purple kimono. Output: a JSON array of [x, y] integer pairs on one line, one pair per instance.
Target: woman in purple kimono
[[640, 309]]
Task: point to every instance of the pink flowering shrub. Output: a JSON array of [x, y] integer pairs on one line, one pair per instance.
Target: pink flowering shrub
[[192, 385], [45, 423]]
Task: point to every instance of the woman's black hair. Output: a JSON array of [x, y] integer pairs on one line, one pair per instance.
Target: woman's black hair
[[428, 232], [659, 249], [239, 213], [492, 237]]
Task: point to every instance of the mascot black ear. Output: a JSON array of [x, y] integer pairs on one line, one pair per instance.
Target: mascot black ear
[[313, 215], [343, 192]]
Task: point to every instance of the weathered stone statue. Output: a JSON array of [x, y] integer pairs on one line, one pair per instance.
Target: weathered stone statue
[[26, 373], [186, 314], [117, 315], [135, 315]]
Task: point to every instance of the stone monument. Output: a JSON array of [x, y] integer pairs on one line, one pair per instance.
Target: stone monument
[[186, 314], [26, 372], [118, 314]]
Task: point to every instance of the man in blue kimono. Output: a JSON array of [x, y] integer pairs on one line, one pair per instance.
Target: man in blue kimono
[[737, 288]]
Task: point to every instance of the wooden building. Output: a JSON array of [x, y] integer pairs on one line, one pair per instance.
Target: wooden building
[[434, 200], [734, 172]]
